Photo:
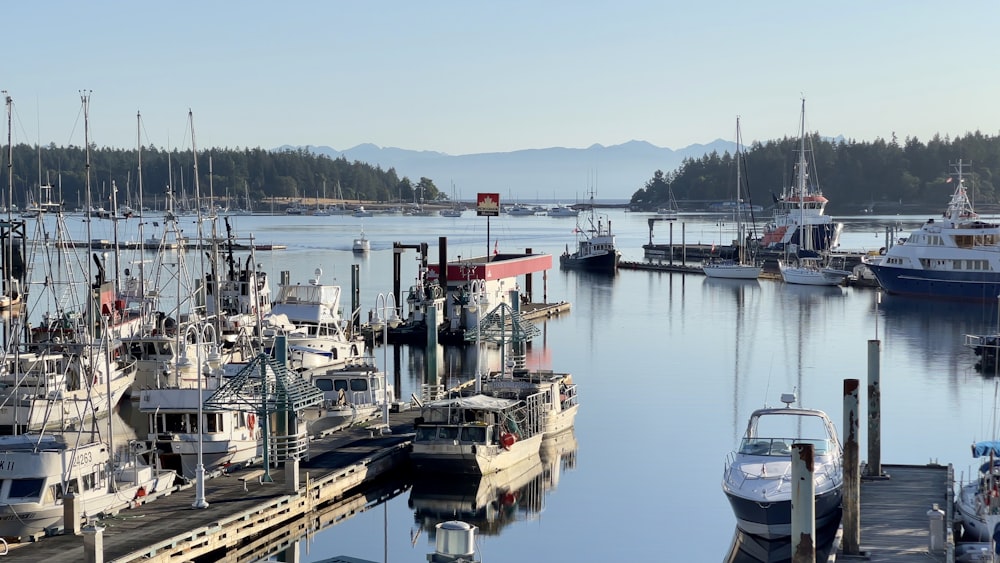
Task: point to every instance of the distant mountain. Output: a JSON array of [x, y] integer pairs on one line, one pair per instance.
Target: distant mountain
[[614, 172]]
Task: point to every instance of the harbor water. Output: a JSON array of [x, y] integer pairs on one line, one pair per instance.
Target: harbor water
[[669, 367]]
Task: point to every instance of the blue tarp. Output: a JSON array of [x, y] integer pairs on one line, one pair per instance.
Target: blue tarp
[[983, 449]]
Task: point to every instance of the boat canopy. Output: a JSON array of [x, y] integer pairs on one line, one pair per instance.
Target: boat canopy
[[983, 449], [481, 402]]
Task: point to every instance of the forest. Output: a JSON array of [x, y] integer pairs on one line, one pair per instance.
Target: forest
[[230, 176], [873, 177]]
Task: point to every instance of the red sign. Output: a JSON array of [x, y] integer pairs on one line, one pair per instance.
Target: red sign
[[487, 205]]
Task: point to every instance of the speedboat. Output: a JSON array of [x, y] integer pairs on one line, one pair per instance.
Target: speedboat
[[956, 256], [758, 475]]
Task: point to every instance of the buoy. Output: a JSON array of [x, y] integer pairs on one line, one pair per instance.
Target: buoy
[[507, 440]]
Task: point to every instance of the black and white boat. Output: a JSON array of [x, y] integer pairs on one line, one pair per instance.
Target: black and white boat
[[758, 476], [595, 246]]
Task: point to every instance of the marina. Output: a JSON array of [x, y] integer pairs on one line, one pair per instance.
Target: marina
[[748, 341]]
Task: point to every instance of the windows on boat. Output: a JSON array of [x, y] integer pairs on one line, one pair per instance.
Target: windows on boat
[[25, 490]]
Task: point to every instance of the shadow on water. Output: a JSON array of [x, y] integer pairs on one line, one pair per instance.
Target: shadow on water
[[747, 548]]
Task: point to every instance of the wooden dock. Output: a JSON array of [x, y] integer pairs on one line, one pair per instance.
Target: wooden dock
[[894, 522], [248, 520]]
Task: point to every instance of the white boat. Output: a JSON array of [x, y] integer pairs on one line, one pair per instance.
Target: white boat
[[557, 391], [451, 212], [352, 395], [799, 217], [237, 292], [955, 256], [361, 245], [361, 212], [595, 246], [520, 210], [810, 271], [476, 435], [308, 315], [42, 469], [977, 505], [757, 477], [561, 210], [742, 266]]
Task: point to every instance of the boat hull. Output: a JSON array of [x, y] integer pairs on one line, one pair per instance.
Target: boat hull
[[956, 285], [774, 520], [606, 262], [472, 459], [731, 271]]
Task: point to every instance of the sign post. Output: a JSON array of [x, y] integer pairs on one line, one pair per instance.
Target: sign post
[[487, 205]]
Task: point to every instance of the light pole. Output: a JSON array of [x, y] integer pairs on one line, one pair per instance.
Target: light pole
[[388, 303], [478, 298], [212, 362]]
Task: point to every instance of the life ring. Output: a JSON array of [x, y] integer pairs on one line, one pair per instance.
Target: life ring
[[507, 440], [251, 419]]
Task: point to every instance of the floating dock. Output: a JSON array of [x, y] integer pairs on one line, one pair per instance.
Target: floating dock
[[245, 516]]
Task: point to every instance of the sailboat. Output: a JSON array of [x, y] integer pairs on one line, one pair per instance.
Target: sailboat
[[742, 266], [809, 269]]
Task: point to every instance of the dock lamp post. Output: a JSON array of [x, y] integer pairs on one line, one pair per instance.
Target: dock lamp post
[[384, 303], [477, 300], [212, 363]]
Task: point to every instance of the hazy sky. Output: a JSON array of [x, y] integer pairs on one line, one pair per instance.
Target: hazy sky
[[469, 76]]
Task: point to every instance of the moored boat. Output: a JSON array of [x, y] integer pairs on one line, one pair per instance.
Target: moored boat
[[956, 256], [977, 505], [352, 395], [809, 271], [757, 478], [595, 246]]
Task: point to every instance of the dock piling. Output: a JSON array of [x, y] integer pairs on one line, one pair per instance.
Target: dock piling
[[874, 411], [71, 514], [93, 543], [803, 504], [852, 470]]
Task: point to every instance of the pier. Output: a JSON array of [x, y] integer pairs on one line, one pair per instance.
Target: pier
[[246, 518]]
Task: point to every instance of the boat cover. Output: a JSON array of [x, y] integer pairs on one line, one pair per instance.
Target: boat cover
[[484, 402], [983, 449]]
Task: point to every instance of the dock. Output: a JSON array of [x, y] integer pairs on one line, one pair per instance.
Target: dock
[[894, 521], [247, 519], [103, 244]]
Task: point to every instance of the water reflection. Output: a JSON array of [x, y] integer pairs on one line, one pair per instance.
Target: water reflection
[[747, 548], [492, 502]]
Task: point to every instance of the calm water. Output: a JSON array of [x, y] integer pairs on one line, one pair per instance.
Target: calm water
[[669, 368]]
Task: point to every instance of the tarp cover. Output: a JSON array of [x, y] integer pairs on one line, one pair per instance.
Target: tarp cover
[[983, 449]]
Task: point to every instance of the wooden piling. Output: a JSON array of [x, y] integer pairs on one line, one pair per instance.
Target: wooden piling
[[803, 504], [852, 470], [874, 468]]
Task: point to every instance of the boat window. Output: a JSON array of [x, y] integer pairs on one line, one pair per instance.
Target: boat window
[[449, 432], [323, 384], [88, 481], [358, 384], [174, 423], [213, 422], [55, 492], [30, 489], [72, 486], [425, 433], [340, 384], [475, 434]]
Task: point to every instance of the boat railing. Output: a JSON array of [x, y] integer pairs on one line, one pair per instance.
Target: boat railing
[[290, 446]]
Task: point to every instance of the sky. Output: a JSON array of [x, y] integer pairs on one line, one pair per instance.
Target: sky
[[466, 77]]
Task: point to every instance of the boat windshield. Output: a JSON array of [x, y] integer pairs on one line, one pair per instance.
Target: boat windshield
[[780, 446]]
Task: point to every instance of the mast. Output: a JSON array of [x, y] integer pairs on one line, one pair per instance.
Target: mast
[[805, 234], [142, 238], [739, 202]]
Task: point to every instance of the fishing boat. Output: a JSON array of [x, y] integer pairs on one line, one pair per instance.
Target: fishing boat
[[43, 468], [955, 256], [557, 391], [595, 250], [476, 435], [757, 477], [742, 266], [308, 315], [239, 295], [352, 395], [799, 212]]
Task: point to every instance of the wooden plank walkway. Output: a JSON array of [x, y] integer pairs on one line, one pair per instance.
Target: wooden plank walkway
[[894, 522], [169, 527]]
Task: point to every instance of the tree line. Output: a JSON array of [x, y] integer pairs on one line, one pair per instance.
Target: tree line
[[257, 173], [877, 176]]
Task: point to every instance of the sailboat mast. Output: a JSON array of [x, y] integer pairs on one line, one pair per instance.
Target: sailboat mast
[[739, 202], [805, 233], [10, 157], [142, 239]]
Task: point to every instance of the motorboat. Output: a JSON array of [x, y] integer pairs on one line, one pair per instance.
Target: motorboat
[[810, 271], [955, 256], [361, 245], [477, 434], [757, 478], [308, 315], [799, 211], [561, 210], [352, 395]]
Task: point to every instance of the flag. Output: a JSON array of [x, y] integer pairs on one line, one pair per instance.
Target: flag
[[495, 248], [948, 181]]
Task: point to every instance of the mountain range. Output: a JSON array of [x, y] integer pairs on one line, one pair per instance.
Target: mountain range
[[560, 174]]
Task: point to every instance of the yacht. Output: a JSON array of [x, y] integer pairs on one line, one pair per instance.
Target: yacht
[[561, 210], [757, 477], [976, 503]]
